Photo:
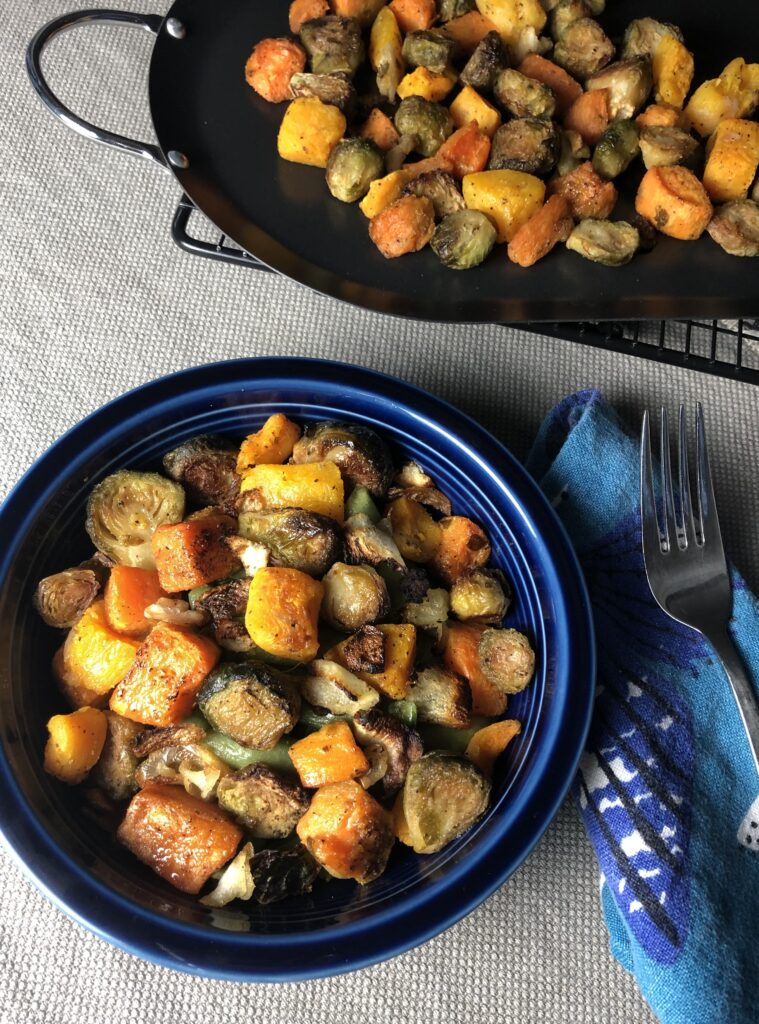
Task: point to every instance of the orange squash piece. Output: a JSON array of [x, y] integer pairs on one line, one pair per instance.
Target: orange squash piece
[[400, 652], [75, 694], [96, 657], [271, 65], [414, 15], [489, 742], [380, 130], [127, 594], [180, 837], [461, 654], [565, 88], [468, 30], [168, 671], [551, 224], [272, 444], [328, 755], [305, 10], [463, 545], [192, 553], [674, 201], [74, 744], [282, 616], [589, 115], [467, 150]]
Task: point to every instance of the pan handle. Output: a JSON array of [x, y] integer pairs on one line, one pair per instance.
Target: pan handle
[[151, 22]]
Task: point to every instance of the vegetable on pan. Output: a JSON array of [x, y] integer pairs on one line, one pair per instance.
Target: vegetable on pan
[[431, 613], [466, 151], [528, 144], [180, 759], [463, 545], [400, 741], [296, 539], [74, 744], [193, 552], [405, 226], [267, 804], [461, 654], [430, 85], [352, 166], [588, 195], [128, 592], [414, 15], [469, 106], [583, 49], [385, 53], [732, 160], [270, 445], [364, 11], [236, 881], [488, 59], [522, 96], [658, 115], [589, 115], [361, 455], [398, 662], [380, 130], [332, 44], [429, 49], [327, 756], [564, 13], [734, 94], [440, 188], [463, 240], [602, 241], [61, 598], [279, 874], [628, 82], [461, 797], [508, 198], [95, 656], [735, 227], [414, 530], [309, 131], [565, 89], [236, 756], [430, 122], [117, 764], [551, 224], [643, 36], [673, 71], [467, 30], [506, 659], [674, 201], [283, 613], [449, 9], [513, 20], [616, 149], [206, 468], [661, 146], [305, 10], [271, 65], [251, 702], [442, 697], [370, 543]]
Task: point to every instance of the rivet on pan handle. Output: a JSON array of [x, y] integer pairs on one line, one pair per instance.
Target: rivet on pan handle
[[151, 22]]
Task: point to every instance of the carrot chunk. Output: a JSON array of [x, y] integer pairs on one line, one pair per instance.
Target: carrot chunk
[[306, 10], [127, 594], [413, 15], [192, 553], [404, 226], [551, 224], [461, 654], [271, 65], [329, 755], [589, 115], [565, 88]]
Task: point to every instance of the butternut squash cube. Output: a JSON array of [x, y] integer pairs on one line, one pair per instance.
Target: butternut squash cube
[[310, 130], [508, 198], [96, 657], [470, 106], [282, 616], [313, 486], [192, 553], [732, 161], [400, 651], [328, 755], [425, 83], [673, 71], [74, 744], [273, 444]]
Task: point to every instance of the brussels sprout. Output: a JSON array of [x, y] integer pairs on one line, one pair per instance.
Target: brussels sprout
[[448, 9], [125, 509], [564, 13], [61, 598], [431, 123], [360, 502], [403, 745], [442, 698], [643, 36], [662, 146], [335, 89], [443, 796], [361, 454], [604, 242], [265, 803], [370, 543], [583, 49], [329, 685], [334, 44], [365, 650], [440, 188], [735, 227], [117, 764], [574, 151], [352, 166], [629, 82], [616, 149], [396, 157], [205, 466], [506, 659], [428, 49], [354, 596], [527, 144], [279, 874], [463, 240], [480, 595], [404, 585], [523, 96], [252, 703], [295, 538], [483, 66], [227, 600]]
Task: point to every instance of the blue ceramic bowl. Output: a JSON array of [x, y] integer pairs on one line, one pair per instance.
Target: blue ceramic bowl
[[340, 926]]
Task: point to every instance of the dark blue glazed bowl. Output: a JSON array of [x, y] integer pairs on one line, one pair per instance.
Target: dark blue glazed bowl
[[340, 926]]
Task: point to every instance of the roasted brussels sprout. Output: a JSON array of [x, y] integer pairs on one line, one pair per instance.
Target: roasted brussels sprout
[[205, 467], [506, 659], [663, 147], [574, 151], [443, 796], [583, 49], [116, 767], [629, 83], [616, 149], [527, 144], [440, 188], [602, 241], [735, 227], [267, 804], [362, 455], [329, 685], [227, 600], [278, 874], [643, 36], [61, 598], [396, 157], [251, 702], [125, 509], [371, 543], [523, 96], [403, 745], [360, 503], [463, 240], [352, 166], [428, 49], [564, 13], [488, 59], [480, 595], [365, 650], [448, 9], [336, 89], [442, 698], [430, 122], [354, 596], [295, 538], [333, 44]]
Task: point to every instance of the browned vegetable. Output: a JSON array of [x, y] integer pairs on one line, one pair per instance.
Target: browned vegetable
[[463, 545], [551, 224], [674, 201], [271, 65], [405, 226], [588, 195]]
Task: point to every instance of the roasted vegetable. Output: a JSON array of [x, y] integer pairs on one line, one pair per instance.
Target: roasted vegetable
[[125, 509], [430, 85], [564, 13], [642, 37], [589, 115], [405, 226], [380, 130], [414, 15], [508, 198], [74, 744], [184, 763], [469, 106], [77, 695], [401, 743], [305, 10], [251, 702], [628, 82], [128, 593], [658, 115], [117, 764], [270, 445], [354, 595], [414, 530], [181, 838], [734, 94], [523, 96], [333, 44], [674, 201], [385, 53], [364, 11], [588, 195], [347, 832], [238, 757], [735, 227], [397, 156], [480, 595], [461, 654], [352, 166], [486, 62], [428, 49], [335, 89], [327, 756], [732, 160], [361, 455], [168, 670], [271, 65], [665, 147], [528, 144], [309, 131], [266, 804], [448, 9], [236, 881], [673, 71], [296, 539], [463, 545], [364, 651], [399, 651], [403, 710], [564, 87], [463, 240], [192, 553], [616, 149], [551, 224], [443, 796], [206, 467], [431, 123], [440, 188], [414, 484], [442, 698], [61, 598], [514, 20], [279, 874], [583, 49], [317, 487], [377, 757], [331, 686], [431, 613], [370, 543], [283, 612], [360, 502], [506, 659], [468, 30], [602, 241], [95, 656], [489, 743]]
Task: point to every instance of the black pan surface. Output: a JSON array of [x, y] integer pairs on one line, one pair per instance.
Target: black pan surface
[[283, 214]]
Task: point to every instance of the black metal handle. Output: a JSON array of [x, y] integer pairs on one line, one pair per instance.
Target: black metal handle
[[151, 22]]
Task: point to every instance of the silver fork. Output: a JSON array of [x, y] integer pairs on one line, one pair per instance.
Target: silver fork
[[685, 561]]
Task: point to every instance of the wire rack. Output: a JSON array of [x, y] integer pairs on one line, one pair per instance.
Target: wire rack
[[727, 348]]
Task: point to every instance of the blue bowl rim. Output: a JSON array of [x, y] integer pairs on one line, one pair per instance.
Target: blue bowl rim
[[152, 938]]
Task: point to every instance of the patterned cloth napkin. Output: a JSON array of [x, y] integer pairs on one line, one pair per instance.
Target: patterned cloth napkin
[[667, 789]]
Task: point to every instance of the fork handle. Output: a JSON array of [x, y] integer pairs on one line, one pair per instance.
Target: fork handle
[[742, 687]]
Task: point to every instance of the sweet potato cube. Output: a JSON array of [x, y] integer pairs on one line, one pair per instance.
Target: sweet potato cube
[[468, 30], [313, 486], [461, 654], [127, 594], [74, 744], [180, 837], [400, 651], [95, 657], [168, 671], [470, 106], [414, 15], [273, 444], [282, 616], [271, 65], [380, 130], [463, 545], [588, 195], [305, 10], [674, 201], [467, 150], [489, 742], [328, 755], [551, 224], [192, 553], [589, 115]]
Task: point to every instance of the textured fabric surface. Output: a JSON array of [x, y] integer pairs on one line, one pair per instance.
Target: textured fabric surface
[[94, 299]]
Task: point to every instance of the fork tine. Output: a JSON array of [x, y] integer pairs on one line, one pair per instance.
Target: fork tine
[[670, 525], [686, 507], [707, 509], [648, 524]]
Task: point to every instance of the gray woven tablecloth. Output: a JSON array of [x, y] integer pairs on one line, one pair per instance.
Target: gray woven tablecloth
[[94, 299]]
